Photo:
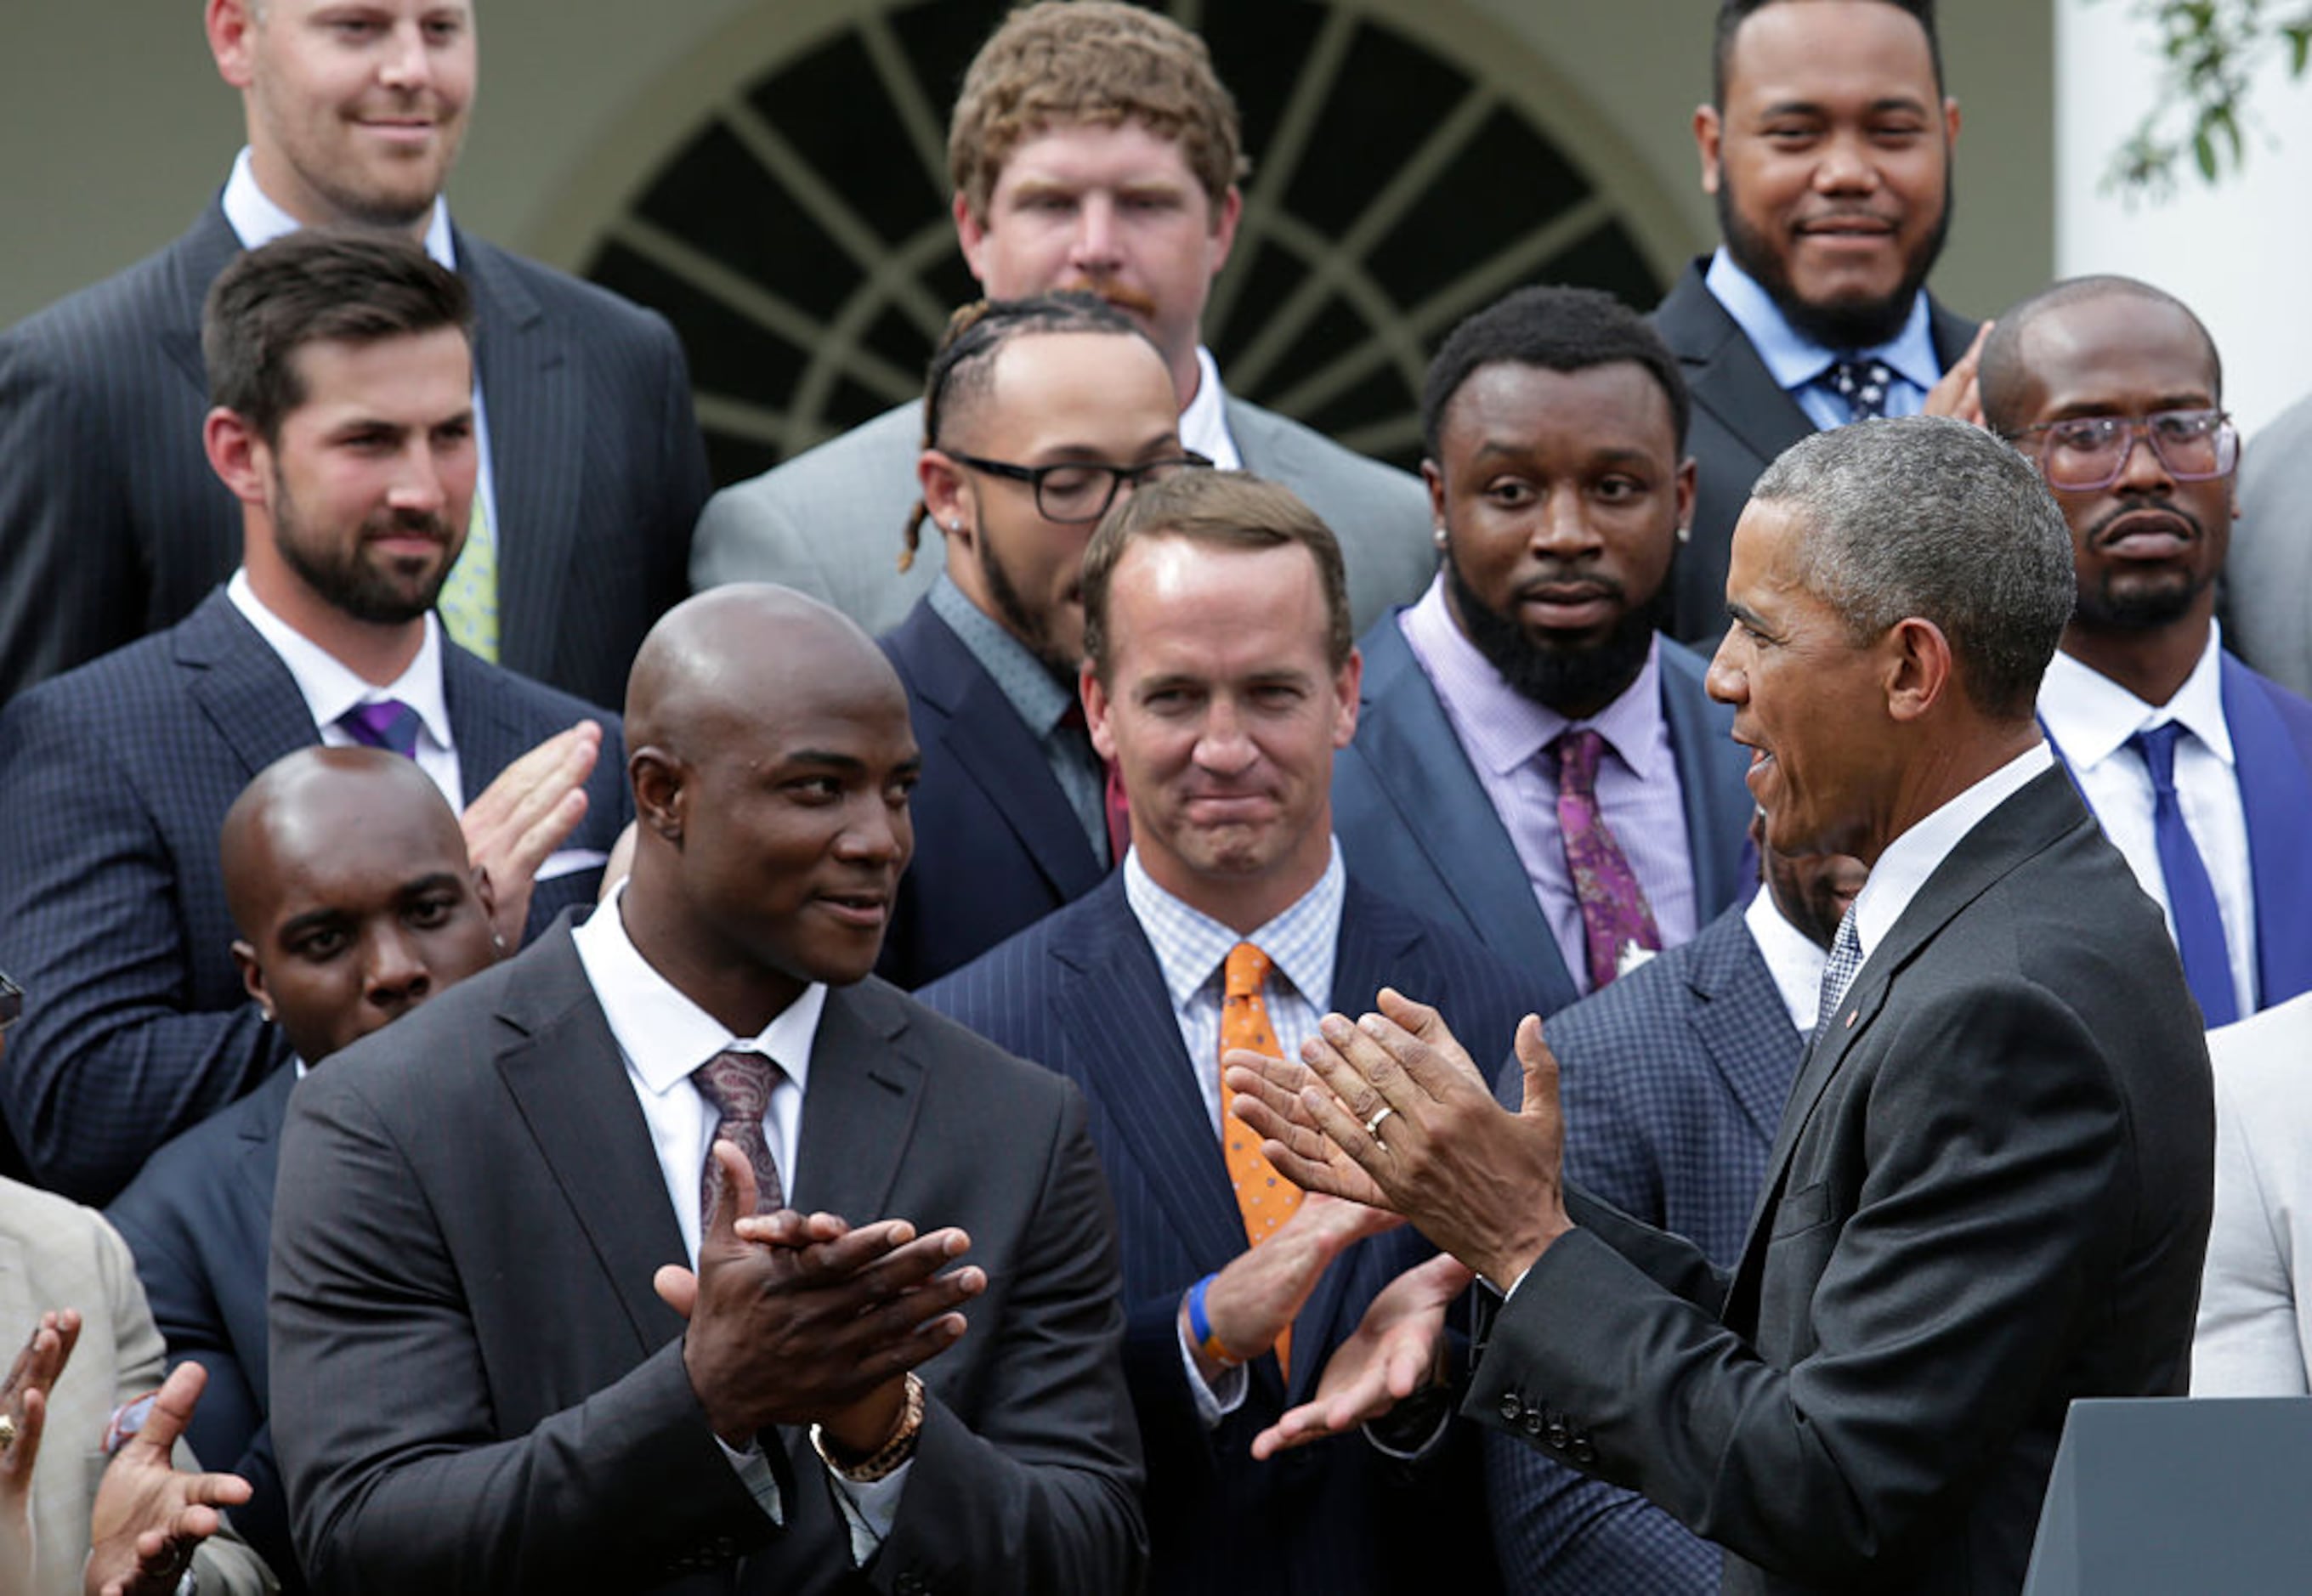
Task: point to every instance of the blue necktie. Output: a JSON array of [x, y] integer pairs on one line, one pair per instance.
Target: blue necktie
[[1863, 385], [388, 724], [2191, 896]]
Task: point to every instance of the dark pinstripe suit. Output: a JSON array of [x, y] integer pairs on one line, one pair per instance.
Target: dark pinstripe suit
[[114, 780], [1672, 1081], [1081, 992], [113, 525]]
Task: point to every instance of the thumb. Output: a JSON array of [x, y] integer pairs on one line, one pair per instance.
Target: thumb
[[677, 1288], [1540, 1066], [734, 1194], [172, 1409]]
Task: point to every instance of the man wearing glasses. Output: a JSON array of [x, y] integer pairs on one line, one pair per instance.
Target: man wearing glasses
[[2200, 770], [1040, 413]]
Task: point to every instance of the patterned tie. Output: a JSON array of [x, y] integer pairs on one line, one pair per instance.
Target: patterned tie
[[2191, 896], [1614, 915], [1837, 975], [1863, 385], [388, 724], [738, 1084], [1264, 1198], [468, 601]]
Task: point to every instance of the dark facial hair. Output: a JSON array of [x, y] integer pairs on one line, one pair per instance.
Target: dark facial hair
[[1012, 609], [339, 575], [1849, 325], [1572, 682]]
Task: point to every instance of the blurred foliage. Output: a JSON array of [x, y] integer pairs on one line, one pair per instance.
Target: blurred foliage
[[2213, 51]]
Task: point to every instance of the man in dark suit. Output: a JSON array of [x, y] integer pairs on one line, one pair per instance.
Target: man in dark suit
[[708, 1036], [592, 468], [1092, 146], [348, 881], [1536, 764], [1220, 680], [1672, 1081], [1042, 411], [1827, 145], [2200, 769], [344, 427], [1989, 1192]]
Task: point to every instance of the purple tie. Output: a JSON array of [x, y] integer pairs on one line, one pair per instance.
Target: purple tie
[[1615, 917], [738, 1084], [388, 724]]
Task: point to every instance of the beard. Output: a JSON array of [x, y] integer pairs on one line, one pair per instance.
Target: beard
[[2126, 600], [1849, 325], [1023, 621], [382, 592], [1573, 681]]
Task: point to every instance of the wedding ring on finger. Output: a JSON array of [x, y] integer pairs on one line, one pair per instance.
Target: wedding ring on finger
[[1372, 1125]]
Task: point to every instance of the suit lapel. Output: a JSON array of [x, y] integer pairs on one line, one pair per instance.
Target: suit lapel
[[536, 416], [1724, 372], [241, 685], [859, 1107], [1716, 801], [1408, 747], [1726, 972], [563, 1070], [199, 257], [489, 738], [2276, 794]]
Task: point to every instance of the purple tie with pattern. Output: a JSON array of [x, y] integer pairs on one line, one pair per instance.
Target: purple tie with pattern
[[388, 724], [738, 1084], [1614, 915]]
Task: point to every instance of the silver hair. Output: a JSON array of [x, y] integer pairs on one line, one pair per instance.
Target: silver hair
[[1932, 517]]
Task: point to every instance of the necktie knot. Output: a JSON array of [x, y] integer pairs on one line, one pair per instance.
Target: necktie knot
[[1246, 972], [388, 724], [1577, 755], [2157, 746], [738, 1084], [1863, 384]]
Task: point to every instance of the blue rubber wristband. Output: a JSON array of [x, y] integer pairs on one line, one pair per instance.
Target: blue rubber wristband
[[1200, 1328]]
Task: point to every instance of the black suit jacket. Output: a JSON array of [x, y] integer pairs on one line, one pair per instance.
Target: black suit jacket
[[113, 525], [1742, 419], [1989, 1195], [477, 1390], [196, 1219], [997, 847], [115, 778], [1082, 993]]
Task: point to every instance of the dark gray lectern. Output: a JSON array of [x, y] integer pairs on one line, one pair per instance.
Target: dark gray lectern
[[2210, 1494]]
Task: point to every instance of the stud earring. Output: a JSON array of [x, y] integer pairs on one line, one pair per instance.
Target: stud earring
[[1437, 534]]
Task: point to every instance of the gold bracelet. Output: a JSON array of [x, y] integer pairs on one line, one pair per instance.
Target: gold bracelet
[[896, 1448]]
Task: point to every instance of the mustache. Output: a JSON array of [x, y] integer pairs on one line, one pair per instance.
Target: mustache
[[1540, 585], [1131, 301], [2101, 533], [406, 523]]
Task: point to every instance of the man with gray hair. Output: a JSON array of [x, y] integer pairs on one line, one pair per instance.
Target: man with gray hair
[[1989, 1193]]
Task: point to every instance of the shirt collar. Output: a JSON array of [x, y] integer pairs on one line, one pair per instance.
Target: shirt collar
[[1792, 958], [1794, 360], [257, 220], [1024, 680], [1193, 946], [1503, 728], [1204, 423], [1903, 868], [2090, 716], [662, 1032], [329, 687]]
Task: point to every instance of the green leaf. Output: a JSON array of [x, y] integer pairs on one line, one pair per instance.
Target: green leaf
[[2203, 151]]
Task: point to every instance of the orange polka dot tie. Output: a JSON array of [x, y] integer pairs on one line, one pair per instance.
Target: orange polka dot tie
[[1266, 1199]]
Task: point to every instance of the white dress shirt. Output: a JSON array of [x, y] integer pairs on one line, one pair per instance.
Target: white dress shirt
[[2090, 716], [663, 1036], [1908, 860], [1793, 959], [1204, 425], [330, 687]]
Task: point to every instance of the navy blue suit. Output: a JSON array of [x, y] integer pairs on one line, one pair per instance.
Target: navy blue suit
[[997, 846], [198, 1219], [1672, 1080], [1082, 993], [1415, 825], [115, 778]]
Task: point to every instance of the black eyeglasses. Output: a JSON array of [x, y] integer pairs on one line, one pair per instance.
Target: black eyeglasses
[[1074, 492], [2085, 454], [12, 1003]]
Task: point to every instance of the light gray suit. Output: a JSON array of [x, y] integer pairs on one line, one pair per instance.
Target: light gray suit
[[2267, 603], [2255, 1333], [56, 1254], [830, 522]]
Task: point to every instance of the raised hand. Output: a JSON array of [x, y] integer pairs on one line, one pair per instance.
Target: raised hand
[[24, 1410], [524, 816], [151, 1516], [1254, 1299], [1394, 1352], [1958, 394]]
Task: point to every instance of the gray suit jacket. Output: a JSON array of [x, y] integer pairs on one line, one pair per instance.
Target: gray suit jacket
[[476, 1389], [113, 525], [830, 522], [1989, 1195], [56, 1254], [2267, 596]]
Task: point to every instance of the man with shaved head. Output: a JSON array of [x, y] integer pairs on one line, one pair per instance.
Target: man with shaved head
[[629, 1226], [348, 880]]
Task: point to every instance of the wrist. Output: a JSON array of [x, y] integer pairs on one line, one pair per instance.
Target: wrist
[[893, 1445], [1212, 1351]]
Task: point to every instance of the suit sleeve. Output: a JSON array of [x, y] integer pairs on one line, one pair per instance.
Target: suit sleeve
[[397, 1479], [2249, 1339], [1044, 1497], [1998, 1157], [73, 591], [682, 470], [109, 1062]]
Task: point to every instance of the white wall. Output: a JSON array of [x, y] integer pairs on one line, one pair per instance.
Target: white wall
[[2237, 254]]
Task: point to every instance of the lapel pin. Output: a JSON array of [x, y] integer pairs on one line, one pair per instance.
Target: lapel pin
[[1850, 1014]]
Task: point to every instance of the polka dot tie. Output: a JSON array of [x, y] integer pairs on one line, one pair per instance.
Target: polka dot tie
[[468, 601], [1266, 1199], [738, 1084], [1863, 385]]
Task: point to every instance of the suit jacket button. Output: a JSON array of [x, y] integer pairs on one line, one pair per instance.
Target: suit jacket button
[[1510, 1407], [1583, 1452], [908, 1584], [1558, 1434], [1532, 1420]]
